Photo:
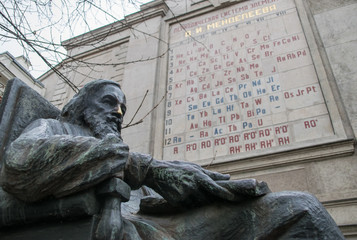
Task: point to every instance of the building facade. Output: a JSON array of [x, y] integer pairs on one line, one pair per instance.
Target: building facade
[[11, 67], [259, 89]]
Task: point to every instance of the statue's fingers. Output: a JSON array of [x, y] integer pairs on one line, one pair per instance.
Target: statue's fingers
[[216, 175], [214, 189], [195, 199], [172, 198]]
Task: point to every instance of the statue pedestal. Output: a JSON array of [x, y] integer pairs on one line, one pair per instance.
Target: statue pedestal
[[74, 230]]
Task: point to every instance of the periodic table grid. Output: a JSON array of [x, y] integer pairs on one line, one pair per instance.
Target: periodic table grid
[[243, 87]]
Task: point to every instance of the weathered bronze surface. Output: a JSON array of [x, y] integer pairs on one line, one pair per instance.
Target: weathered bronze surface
[[53, 163]]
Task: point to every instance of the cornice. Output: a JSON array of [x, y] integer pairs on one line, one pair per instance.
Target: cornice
[[6, 72], [16, 64], [148, 11], [286, 158]]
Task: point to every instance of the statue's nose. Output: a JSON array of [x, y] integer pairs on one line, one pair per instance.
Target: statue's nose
[[119, 110]]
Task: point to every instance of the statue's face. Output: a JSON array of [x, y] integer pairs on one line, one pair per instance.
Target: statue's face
[[108, 105]]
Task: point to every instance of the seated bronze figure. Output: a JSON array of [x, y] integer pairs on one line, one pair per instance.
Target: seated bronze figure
[[83, 150]]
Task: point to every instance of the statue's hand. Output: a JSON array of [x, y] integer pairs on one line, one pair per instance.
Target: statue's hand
[[186, 184]]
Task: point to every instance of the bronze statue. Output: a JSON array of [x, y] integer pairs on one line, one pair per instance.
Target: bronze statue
[[83, 149]]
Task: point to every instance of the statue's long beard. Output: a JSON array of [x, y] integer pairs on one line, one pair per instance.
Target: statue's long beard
[[101, 126]]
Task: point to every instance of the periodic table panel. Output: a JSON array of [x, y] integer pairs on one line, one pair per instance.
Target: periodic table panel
[[241, 80]]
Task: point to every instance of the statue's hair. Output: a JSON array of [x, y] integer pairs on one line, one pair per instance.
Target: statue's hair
[[73, 111]]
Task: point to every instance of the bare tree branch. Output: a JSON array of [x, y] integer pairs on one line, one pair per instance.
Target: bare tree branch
[[137, 110], [56, 20], [147, 114], [74, 87]]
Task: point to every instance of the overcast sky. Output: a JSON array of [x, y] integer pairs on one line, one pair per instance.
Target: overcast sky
[[95, 18]]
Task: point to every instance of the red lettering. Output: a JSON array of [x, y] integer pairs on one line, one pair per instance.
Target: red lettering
[[250, 146], [310, 124], [191, 147], [220, 141], [235, 149], [234, 139], [205, 144], [283, 141]]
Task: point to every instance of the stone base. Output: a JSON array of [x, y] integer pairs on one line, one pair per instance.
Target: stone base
[[74, 230]]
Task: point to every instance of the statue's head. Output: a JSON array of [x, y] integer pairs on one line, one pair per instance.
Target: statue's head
[[100, 105]]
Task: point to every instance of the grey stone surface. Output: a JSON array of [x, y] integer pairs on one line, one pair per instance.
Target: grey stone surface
[[344, 70], [338, 31], [337, 26], [325, 5]]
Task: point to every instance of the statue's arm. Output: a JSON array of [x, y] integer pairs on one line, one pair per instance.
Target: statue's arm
[[40, 163], [180, 183]]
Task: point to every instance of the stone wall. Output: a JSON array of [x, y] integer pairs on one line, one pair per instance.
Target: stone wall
[[293, 127], [336, 26]]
